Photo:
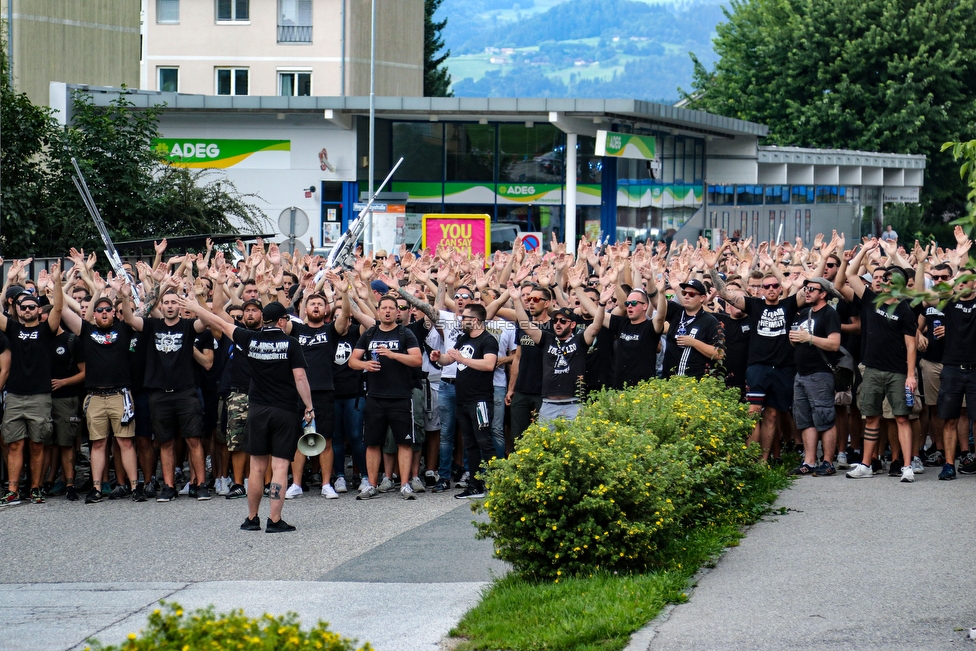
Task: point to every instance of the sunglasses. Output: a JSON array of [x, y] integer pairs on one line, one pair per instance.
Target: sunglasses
[[811, 288], [403, 307], [832, 265], [938, 278], [691, 293], [102, 310], [561, 321], [464, 296], [634, 303], [772, 286], [531, 299], [380, 257], [28, 306]]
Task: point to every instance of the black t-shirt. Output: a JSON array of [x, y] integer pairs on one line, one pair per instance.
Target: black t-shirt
[[138, 353], [769, 325], [472, 385], [563, 365], [64, 364], [394, 379], [635, 357], [106, 354], [348, 382], [736, 332], [319, 345], [847, 311], [821, 323], [169, 360], [31, 352], [688, 361], [599, 358], [936, 347], [884, 330], [960, 332], [206, 379], [238, 378], [529, 380], [272, 355]]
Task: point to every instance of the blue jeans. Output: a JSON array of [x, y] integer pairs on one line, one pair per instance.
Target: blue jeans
[[348, 425], [447, 405], [498, 423]]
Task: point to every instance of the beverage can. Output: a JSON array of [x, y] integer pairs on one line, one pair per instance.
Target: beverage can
[[909, 397]]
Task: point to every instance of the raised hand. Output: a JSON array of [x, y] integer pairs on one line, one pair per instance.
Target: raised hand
[[160, 247]]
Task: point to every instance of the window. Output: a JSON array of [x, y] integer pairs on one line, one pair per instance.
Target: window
[[295, 83], [169, 80], [422, 143], [721, 195], [232, 81], [748, 195], [827, 194], [233, 10], [530, 155], [802, 194], [777, 194], [167, 11], [294, 21], [470, 152]]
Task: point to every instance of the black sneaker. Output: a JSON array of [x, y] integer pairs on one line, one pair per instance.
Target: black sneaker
[[139, 494], [202, 493], [277, 527], [236, 492], [877, 466], [252, 524], [470, 493], [934, 460], [37, 495], [166, 494], [441, 486], [948, 472], [853, 457], [894, 470], [94, 496], [71, 494], [149, 489], [193, 491], [120, 492], [967, 465]]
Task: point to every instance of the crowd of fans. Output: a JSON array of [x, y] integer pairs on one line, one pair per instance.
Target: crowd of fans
[[419, 368]]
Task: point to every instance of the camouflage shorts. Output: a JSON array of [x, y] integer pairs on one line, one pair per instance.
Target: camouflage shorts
[[234, 411]]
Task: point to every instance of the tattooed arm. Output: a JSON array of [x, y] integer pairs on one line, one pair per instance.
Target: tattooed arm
[[734, 298], [423, 306]]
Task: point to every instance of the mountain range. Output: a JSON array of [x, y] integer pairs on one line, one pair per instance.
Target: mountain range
[[577, 48]]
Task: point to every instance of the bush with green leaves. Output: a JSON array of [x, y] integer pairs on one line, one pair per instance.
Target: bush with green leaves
[[636, 468], [171, 629]]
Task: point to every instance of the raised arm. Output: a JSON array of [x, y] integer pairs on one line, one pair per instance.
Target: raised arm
[[853, 279], [206, 317], [735, 298], [521, 318]]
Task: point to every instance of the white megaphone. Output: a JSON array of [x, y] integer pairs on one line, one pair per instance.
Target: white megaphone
[[312, 443]]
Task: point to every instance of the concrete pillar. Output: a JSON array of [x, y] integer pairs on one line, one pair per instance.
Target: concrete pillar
[[569, 219]]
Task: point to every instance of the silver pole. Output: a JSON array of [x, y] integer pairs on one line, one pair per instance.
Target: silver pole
[[10, 42], [368, 246]]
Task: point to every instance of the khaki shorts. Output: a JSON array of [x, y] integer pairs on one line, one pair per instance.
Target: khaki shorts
[[879, 387], [28, 417], [67, 423], [931, 381], [104, 416]]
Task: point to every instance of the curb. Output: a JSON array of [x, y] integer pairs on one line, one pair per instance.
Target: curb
[[641, 639]]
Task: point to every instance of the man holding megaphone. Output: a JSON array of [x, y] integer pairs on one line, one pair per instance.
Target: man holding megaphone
[[274, 425]]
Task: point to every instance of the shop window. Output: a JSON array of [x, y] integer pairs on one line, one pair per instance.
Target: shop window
[[470, 152], [421, 144], [530, 155]]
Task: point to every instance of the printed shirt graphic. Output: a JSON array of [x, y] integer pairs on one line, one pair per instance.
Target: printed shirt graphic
[[769, 326], [169, 362], [272, 356], [107, 356]]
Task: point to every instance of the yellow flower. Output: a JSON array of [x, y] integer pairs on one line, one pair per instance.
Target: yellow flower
[[132, 636]]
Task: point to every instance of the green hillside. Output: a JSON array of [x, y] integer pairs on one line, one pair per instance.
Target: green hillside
[[576, 48]]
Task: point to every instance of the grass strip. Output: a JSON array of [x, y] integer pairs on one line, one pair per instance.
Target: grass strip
[[600, 612]]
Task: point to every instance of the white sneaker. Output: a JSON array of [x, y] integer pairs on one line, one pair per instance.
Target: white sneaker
[[329, 493], [860, 471], [917, 466], [386, 485], [228, 484], [907, 476], [463, 482], [340, 485], [219, 485], [186, 489], [417, 485], [294, 491], [406, 492], [842, 461], [363, 484]]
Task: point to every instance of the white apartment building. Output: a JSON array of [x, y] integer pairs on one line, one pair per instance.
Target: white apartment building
[[281, 47]]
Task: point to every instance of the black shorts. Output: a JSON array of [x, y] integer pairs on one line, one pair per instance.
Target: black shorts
[[210, 400], [770, 386], [323, 402], [393, 413], [957, 383], [175, 413], [272, 430]]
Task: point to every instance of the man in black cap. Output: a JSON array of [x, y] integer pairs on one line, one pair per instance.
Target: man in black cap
[[278, 381], [692, 333]]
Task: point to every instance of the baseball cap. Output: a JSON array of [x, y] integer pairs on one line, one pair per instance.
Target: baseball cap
[[379, 286], [273, 311], [253, 301], [696, 285], [103, 299], [822, 283], [563, 311]]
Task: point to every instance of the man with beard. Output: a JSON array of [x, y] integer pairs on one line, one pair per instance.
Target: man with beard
[[692, 333], [173, 403], [318, 337], [27, 412], [109, 406]]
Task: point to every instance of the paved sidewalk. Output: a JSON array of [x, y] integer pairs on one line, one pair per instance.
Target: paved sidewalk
[[397, 574], [855, 564]]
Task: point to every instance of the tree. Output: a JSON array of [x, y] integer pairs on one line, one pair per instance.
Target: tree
[[437, 79], [877, 75]]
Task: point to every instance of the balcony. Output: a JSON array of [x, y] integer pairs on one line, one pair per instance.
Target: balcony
[[294, 33]]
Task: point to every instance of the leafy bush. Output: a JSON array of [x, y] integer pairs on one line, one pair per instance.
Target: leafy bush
[[607, 491], [203, 630]]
